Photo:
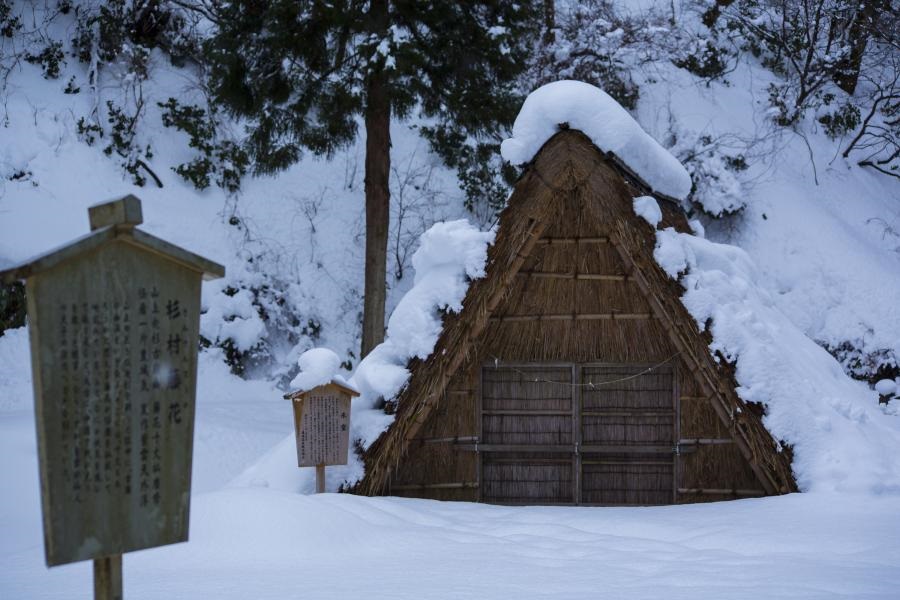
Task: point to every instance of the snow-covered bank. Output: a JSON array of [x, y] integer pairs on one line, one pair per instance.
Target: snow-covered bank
[[841, 437], [266, 544]]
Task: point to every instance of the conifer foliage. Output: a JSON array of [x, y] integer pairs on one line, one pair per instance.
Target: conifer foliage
[[302, 73]]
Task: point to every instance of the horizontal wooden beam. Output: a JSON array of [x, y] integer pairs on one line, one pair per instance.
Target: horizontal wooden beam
[[456, 485], [628, 413], [567, 449], [721, 491], [448, 440], [551, 241], [705, 441], [573, 275], [628, 462], [574, 317], [530, 413]]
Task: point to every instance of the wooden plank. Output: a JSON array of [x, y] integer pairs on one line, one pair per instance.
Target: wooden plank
[[576, 428], [705, 441], [575, 276], [721, 491], [448, 440], [567, 448], [108, 578], [550, 241], [628, 413], [535, 413], [455, 485], [624, 462], [572, 317]]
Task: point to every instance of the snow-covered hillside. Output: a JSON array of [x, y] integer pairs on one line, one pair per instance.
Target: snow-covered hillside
[[823, 233]]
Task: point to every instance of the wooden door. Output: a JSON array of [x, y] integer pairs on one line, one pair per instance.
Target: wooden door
[[628, 435], [527, 435], [577, 434]]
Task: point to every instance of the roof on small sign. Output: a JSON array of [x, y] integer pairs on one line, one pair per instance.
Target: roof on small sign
[[95, 239], [336, 381]]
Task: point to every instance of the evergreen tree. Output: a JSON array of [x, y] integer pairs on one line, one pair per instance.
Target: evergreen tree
[[302, 72]]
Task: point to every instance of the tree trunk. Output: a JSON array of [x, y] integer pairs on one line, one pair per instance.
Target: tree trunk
[[857, 37], [378, 195]]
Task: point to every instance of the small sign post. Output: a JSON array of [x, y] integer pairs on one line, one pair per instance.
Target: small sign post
[[114, 324], [322, 426]]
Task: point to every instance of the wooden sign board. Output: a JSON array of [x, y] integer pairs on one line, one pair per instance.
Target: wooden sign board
[[322, 426], [114, 357], [114, 326]]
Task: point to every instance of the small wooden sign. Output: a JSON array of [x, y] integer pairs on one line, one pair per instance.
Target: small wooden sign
[[114, 321], [322, 424]]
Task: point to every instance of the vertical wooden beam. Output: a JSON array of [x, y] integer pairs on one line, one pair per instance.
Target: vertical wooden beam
[[479, 427], [320, 479], [577, 431], [676, 401], [108, 578]]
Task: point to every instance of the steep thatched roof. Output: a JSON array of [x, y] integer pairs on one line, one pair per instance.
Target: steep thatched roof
[[567, 168]]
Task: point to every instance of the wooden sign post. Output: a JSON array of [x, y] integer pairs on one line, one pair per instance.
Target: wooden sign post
[[114, 324], [322, 426]]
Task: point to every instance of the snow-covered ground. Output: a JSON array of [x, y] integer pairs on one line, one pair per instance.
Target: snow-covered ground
[[257, 537], [822, 234]]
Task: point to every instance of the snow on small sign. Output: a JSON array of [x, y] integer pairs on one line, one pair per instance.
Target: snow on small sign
[[321, 410]]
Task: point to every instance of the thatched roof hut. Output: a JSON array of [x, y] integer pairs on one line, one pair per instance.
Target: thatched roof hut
[[574, 374]]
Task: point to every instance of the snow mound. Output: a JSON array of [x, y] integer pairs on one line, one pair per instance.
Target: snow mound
[[842, 439], [318, 366], [581, 106], [449, 256], [648, 209]]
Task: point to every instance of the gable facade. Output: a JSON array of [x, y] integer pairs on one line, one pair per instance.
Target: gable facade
[[573, 374]]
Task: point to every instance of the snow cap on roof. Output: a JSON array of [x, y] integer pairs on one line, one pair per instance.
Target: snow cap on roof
[[592, 111]]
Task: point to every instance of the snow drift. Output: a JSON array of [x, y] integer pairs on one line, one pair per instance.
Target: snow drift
[[842, 439]]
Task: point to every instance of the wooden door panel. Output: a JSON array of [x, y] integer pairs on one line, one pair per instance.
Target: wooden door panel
[[527, 480], [626, 480], [521, 429], [627, 430]]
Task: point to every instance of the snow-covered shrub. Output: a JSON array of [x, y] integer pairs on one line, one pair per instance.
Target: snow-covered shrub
[[864, 363], [836, 59], [219, 158], [483, 175], [703, 57], [717, 189], [256, 319], [596, 43]]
